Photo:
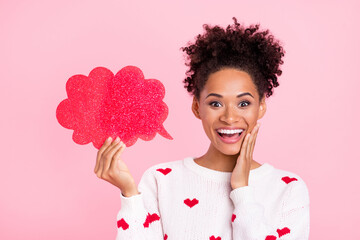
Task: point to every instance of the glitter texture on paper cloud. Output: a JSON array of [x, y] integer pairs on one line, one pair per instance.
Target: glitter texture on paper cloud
[[102, 105]]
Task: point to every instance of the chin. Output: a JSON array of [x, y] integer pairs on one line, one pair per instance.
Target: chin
[[230, 151]]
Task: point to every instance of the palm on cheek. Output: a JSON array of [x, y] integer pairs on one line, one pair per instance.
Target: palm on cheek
[[241, 172]]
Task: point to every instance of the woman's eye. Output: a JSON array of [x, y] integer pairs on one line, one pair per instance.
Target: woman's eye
[[244, 104], [215, 104]]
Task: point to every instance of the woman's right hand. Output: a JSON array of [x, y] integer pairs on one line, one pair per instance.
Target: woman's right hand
[[111, 168]]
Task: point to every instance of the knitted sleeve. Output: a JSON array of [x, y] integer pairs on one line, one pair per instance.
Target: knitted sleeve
[[249, 222], [139, 216]]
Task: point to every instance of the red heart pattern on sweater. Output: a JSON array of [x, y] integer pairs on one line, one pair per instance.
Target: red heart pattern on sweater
[[288, 180], [191, 203], [155, 217], [151, 218], [270, 237], [122, 224], [213, 238], [283, 231], [280, 232], [164, 171]]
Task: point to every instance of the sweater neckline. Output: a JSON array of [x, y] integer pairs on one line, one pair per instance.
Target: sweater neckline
[[255, 174]]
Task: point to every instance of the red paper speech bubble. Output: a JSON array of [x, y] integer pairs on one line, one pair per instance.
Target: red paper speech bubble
[[103, 105]]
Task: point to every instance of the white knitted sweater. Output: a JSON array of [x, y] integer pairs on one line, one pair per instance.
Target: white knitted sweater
[[182, 200]]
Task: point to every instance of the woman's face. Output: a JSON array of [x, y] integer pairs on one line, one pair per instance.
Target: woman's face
[[229, 108]]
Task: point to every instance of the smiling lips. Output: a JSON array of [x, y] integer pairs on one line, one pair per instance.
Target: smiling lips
[[229, 135]]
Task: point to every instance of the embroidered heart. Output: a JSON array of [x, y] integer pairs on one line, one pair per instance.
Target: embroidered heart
[[191, 203], [233, 218], [213, 238], [122, 223], [164, 171], [270, 237], [283, 231], [165, 237], [151, 218], [288, 180]]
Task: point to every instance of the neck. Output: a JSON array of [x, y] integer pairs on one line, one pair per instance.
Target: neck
[[216, 160]]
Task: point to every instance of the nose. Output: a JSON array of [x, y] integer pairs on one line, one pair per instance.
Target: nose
[[229, 115]]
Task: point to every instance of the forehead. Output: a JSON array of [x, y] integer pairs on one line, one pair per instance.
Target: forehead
[[229, 81]]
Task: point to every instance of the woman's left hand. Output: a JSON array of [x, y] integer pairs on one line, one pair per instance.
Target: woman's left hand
[[240, 174]]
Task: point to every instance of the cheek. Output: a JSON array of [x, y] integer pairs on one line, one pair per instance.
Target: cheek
[[208, 118], [207, 115], [251, 117]]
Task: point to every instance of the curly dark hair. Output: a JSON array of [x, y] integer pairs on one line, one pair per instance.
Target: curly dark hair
[[247, 49]]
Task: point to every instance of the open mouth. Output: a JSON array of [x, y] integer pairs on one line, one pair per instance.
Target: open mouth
[[224, 133]]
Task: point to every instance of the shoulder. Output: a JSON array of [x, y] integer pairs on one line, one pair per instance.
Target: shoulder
[[165, 168], [156, 175], [160, 174], [292, 185]]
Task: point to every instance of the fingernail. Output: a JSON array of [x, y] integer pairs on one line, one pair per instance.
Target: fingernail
[[117, 139], [108, 139]]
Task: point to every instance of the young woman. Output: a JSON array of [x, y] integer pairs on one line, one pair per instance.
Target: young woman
[[223, 194]]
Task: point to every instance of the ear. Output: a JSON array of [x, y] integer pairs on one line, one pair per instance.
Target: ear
[[262, 108], [195, 107]]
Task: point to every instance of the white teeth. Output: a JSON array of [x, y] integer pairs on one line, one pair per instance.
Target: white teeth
[[225, 131]]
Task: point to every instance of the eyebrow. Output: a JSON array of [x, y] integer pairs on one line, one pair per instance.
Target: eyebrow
[[220, 96]]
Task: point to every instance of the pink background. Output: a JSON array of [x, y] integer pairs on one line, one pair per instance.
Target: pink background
[[48, 188]]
